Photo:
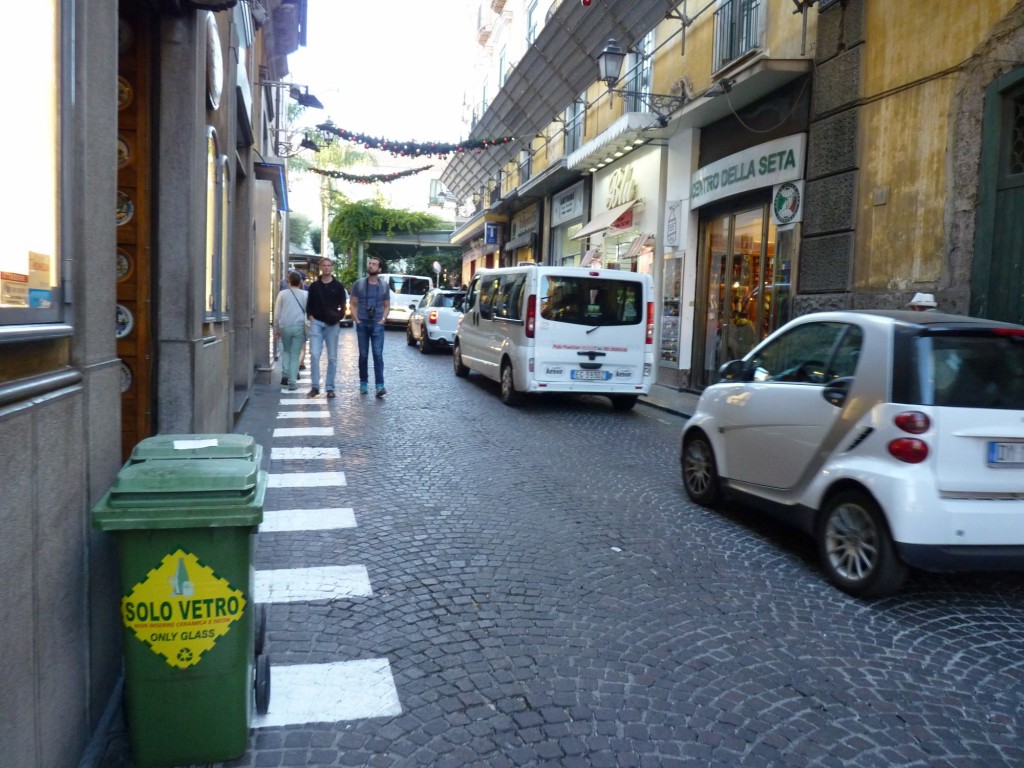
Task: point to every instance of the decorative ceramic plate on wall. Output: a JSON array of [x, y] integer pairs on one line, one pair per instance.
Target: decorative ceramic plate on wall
[[127, 379], [124, 265], [125, 208], [125, 321], [124, 152], [125, 94]]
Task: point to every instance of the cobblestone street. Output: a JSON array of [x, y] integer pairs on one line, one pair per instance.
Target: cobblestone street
[[539, 591]]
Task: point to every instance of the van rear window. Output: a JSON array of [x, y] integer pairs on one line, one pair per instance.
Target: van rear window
[[410, 286], [591, 301]]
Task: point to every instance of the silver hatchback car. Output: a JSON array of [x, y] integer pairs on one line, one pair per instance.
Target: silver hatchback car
[[896, 439]]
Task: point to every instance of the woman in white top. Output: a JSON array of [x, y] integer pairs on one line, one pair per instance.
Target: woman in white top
[[290, 325]]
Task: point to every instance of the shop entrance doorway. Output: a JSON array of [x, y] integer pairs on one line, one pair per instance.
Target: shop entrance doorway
[[739, 288]]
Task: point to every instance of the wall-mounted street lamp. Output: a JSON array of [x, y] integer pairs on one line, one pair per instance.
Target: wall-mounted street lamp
[[609, 64], [302, 95]]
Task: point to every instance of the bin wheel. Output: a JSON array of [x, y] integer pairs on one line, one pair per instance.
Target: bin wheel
[[262, 684], [261, 629]]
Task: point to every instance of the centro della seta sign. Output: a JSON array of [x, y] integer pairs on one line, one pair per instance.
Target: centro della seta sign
[[182, 609]]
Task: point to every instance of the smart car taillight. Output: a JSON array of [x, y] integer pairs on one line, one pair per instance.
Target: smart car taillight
[[914, 422], [650, 322], [432, 317], [531, 315], [909, 449]]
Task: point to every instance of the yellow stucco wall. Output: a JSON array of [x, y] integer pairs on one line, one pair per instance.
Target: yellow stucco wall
[[904, 134]]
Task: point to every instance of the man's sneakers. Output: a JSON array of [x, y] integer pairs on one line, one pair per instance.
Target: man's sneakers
[[314, 392], [363, 389], [284, 381], [381, 391], [330, 394]]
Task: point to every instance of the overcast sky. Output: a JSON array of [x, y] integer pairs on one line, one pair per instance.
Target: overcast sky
[[394, 69]]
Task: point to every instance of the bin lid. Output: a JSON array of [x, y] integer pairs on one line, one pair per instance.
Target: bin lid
[[201, 446], [175, 493]]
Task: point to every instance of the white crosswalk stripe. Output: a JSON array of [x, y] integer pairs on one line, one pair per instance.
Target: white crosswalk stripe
[[285, 454], [308, 519], [305, 479], [294, 585], [327, 693], [303, 414], [304, 432]]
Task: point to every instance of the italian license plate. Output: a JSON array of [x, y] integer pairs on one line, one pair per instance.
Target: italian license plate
[[591, 375], [1005, 454]]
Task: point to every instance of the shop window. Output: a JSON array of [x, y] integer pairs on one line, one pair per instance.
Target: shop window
[[30, 260], [739, 27], [217, 194]]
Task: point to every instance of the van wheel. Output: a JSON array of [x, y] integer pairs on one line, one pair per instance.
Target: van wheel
[[460, 370], [509, 395], [623, 402], [408, 336], [425, 344], [856, 547]]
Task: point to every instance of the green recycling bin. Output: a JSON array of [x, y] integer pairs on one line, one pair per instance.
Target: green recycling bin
[[184, 509]]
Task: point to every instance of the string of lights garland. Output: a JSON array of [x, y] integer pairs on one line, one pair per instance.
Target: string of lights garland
[[376, 177], [415, 148]]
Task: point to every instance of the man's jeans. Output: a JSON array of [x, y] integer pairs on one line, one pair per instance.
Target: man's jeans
[[321, 334], [368, 332]]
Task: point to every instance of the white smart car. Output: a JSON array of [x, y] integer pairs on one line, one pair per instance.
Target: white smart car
[[895, 438]]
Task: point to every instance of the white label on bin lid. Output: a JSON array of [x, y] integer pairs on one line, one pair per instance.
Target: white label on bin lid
[[183, 445]]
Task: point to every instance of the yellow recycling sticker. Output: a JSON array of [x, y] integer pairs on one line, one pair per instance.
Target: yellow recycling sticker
[[182, 609]]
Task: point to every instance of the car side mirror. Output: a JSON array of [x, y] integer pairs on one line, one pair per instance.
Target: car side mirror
[[836, 391], [412, 307], [457, 305], [734, 370]]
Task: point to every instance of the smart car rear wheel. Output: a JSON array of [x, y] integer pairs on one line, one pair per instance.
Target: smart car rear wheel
[[460, 370], [409, 338], [425, 345], [856, 547], [700, 472]]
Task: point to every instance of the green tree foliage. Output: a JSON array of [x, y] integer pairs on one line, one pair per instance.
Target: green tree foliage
[[299, 229], [354, 222]]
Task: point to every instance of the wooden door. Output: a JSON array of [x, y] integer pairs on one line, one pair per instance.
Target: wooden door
[[134, 172]]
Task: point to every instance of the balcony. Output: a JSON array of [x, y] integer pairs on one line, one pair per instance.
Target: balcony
[[739, 30], [483, 33], [498, 5]]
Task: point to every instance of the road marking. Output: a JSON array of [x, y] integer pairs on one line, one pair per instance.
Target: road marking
[[305, 479], [328, 693], [285, 454], [304, 432], [297, 585], [303, 414], [308, 519]]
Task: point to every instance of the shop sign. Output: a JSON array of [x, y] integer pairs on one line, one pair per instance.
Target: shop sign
[[622, 187], [762, 166], [524, 222], [490, 233], [673, 223], [788, 203], [567, 204], [181, 609]]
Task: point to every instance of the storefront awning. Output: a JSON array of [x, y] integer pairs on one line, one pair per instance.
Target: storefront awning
[[603, 220], [521, 241], [274, 173]]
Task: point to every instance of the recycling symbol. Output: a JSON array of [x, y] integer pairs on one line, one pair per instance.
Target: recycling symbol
[[184, 655]]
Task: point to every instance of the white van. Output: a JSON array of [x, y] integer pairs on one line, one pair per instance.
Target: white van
[[406, 292], [559, 329]]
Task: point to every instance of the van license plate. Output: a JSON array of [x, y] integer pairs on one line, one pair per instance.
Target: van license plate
[[591, 375], [1006, 454]]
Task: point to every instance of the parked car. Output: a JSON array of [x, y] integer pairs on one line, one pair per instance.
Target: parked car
[[896, 439], [434, 320]]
